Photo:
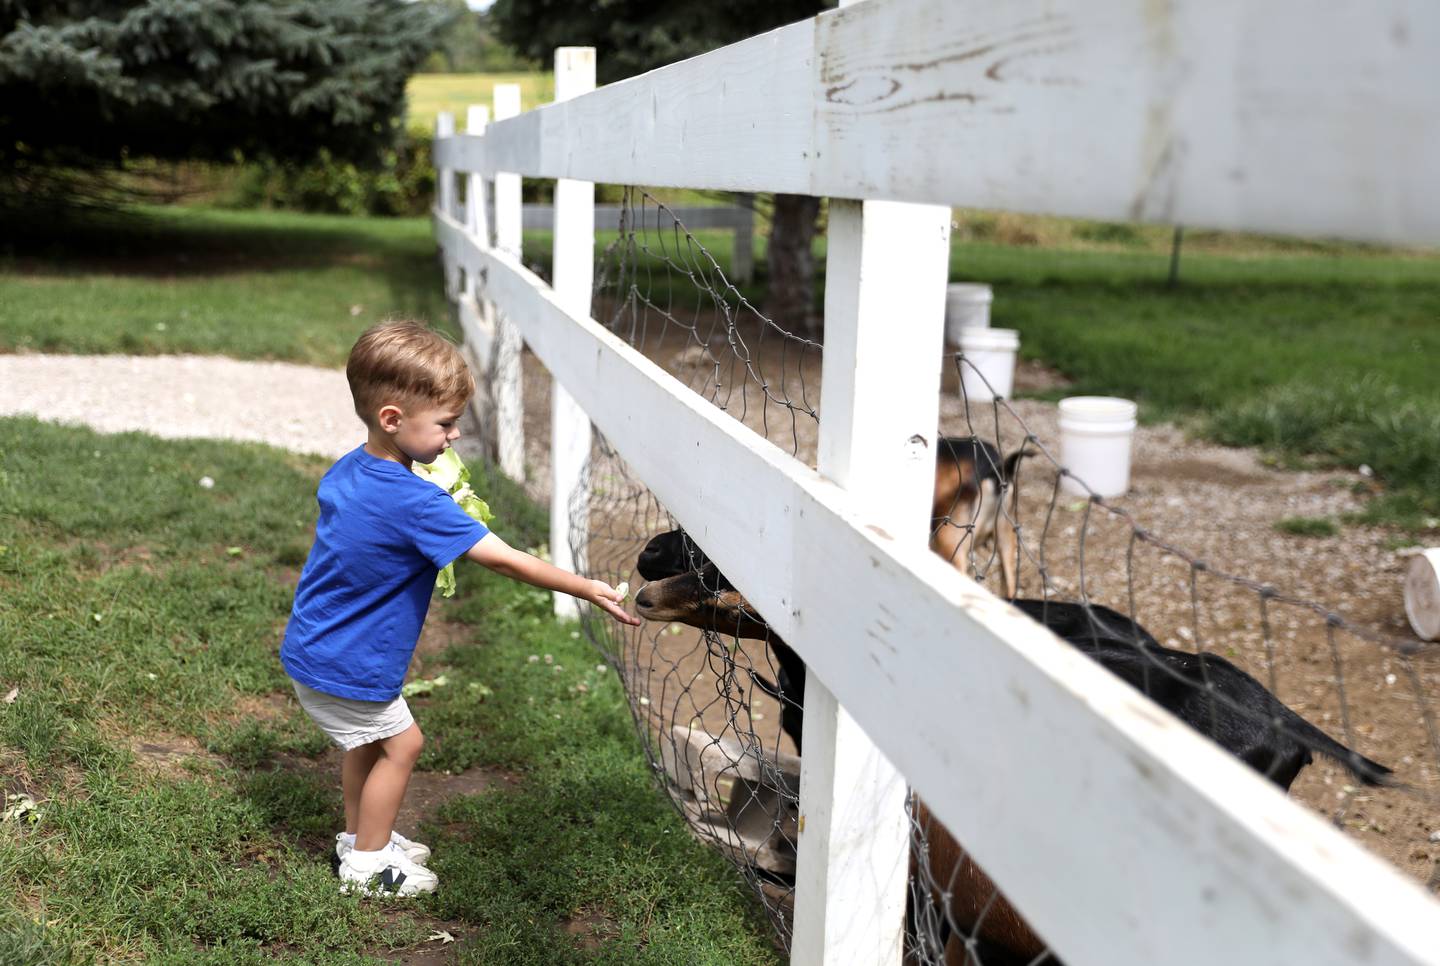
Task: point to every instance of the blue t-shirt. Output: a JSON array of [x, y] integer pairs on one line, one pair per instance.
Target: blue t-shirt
[[383, 535]]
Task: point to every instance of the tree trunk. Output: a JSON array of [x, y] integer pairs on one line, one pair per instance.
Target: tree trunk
[[791, 263]]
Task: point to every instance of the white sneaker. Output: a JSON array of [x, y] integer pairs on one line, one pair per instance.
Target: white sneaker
[[414, 851], [384, 873]]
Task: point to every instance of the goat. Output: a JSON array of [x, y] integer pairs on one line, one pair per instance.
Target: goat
[[1246, 719], [686, 588], [967, 508]]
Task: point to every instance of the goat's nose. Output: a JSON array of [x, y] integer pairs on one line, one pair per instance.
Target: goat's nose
[[644, 600]]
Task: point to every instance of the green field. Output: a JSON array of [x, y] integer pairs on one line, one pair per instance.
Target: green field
[[252, 285], [429, 94]]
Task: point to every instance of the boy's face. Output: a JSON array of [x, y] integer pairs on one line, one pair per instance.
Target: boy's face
[[422, 433]]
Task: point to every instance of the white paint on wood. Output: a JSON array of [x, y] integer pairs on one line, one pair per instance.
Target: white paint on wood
[[574, 265], [509, 372], [1286, 116], [949, 682], [445, 199], [477, 214], [479, 333], [886, 270]]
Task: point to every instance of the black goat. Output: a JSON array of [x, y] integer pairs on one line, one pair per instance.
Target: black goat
[[1205, 691], [688, 589]]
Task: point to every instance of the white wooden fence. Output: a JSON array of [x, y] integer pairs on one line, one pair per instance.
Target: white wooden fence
[[1122, 835]]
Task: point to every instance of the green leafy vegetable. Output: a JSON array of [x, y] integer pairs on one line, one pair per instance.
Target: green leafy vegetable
[[424, 686], [450, 474]]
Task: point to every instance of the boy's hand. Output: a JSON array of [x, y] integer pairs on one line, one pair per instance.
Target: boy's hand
[[496, 554], [609, 599]]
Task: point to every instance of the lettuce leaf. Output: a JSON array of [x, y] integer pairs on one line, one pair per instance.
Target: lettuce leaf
[[450, 474]]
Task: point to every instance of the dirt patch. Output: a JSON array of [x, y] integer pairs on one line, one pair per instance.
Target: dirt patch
[[16, 770], [170, 756], [436, 638], [429, 790], [448, 938], [1233, 472], [140, 557], [275, 706], [591, 928]]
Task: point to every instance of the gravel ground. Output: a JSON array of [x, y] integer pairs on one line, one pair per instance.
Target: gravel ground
[[301, 408]]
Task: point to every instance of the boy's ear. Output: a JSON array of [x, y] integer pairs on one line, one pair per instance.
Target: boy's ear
[[389, 418]]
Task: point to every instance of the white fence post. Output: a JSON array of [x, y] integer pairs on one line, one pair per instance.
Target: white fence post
[[509, 374], [884, 314], [742, 261], [574, 274], [445, 201], [477, 209]]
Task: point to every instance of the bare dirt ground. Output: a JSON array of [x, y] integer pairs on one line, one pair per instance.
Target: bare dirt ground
[[1218, 505]]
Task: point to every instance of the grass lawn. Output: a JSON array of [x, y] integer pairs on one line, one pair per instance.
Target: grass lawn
[[252, 285], [141, 611], [429, 94]]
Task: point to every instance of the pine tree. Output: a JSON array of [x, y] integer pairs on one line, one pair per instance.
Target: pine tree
[[87, 83]]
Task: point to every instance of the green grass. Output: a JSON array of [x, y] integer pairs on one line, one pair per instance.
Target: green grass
[[1308, 527], [126, 621], [429, 94], [252, 285], [587, 830]]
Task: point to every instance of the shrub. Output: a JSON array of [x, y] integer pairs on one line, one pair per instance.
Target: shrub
[[1108, 232], [403, 184]]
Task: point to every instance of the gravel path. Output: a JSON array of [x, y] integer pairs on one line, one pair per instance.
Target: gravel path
[[301, 408]]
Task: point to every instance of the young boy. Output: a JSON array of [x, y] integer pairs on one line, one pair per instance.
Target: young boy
[[382, 536]]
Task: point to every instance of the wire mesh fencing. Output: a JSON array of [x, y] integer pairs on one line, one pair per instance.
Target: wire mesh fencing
[[1203, 607]]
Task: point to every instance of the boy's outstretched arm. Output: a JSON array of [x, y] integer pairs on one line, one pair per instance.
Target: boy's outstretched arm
[[497, 555]]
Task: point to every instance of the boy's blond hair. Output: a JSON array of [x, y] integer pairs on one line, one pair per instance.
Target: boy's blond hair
[[408, 365]]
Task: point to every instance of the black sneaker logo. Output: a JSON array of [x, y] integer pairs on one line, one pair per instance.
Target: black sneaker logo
[[392, 879]]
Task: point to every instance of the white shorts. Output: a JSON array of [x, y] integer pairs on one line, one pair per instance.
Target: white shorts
[[351, 723]]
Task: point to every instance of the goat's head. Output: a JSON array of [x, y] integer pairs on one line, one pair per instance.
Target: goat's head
[[686, 588], [670, 553]]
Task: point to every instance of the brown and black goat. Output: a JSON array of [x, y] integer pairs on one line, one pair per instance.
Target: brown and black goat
[[1207, 692], [972, 486]]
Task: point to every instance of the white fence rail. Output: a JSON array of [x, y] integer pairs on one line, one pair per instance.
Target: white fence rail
[[1122, 835]]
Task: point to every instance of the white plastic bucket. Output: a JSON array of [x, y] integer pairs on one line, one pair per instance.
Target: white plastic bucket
[[992, 352], [1096, 433], [967, 305], [1422, 594]]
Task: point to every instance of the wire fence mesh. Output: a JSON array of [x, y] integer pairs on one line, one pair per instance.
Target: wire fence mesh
[[1337, 710]]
